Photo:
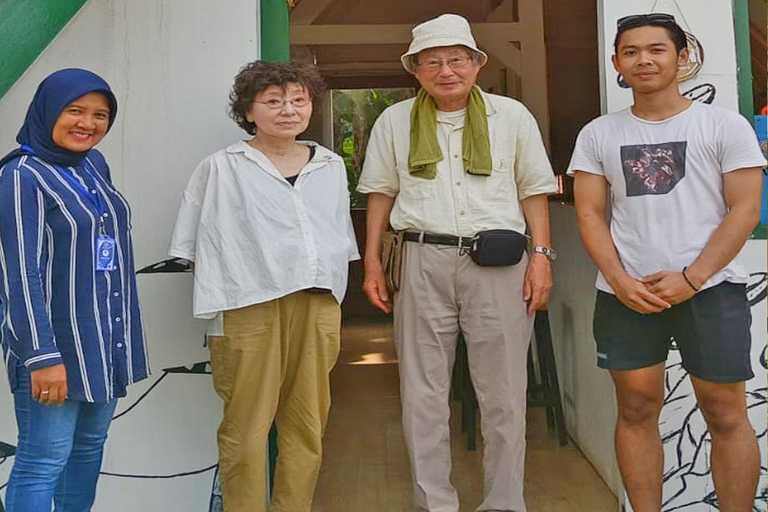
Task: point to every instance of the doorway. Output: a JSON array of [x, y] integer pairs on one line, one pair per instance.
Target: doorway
[[356, 45]]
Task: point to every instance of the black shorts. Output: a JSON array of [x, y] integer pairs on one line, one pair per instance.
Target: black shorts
[[711, 330]]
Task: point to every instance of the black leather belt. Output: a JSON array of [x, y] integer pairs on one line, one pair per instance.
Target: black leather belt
[[429, 238]]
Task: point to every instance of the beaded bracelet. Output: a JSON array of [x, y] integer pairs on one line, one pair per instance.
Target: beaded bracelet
[[689, 281]]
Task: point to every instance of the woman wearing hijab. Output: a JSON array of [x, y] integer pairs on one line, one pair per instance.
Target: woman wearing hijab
[[70, 324]]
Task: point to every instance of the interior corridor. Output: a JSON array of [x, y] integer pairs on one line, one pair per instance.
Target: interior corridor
[[365, 467]]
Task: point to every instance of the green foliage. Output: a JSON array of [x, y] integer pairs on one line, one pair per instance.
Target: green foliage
[[354, 112]]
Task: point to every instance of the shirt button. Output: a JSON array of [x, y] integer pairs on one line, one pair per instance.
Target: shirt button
[[458, 183], [93, 191], [105, 215], [455, 156], [116, 294], [119, 345], [118, 319], [461, 212]]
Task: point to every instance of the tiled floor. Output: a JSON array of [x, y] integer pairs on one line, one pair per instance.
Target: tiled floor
[[365, 465]]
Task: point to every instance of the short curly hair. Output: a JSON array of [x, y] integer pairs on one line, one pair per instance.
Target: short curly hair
[[257, 76]]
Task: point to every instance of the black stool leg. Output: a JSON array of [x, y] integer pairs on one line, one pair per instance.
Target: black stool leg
[[549, 375]]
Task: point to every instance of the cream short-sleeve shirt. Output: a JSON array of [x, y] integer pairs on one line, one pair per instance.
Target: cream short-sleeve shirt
[[456, 202]]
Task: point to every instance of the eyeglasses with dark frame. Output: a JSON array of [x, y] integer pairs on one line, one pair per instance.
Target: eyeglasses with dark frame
[[275, 103], [633, 20], [453, 63]]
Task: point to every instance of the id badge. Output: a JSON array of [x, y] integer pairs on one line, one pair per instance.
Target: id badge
[[105, 253]]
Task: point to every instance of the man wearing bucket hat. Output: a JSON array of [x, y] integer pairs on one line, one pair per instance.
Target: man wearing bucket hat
[[462, 173]]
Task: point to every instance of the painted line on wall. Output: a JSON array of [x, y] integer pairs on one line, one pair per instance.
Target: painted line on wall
[[27, 29], [275, 31]]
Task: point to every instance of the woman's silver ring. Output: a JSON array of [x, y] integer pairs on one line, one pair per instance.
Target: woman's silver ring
[[44, 392]]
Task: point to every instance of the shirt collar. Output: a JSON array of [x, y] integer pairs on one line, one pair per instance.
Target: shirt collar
[[322, 156], [490, 108]]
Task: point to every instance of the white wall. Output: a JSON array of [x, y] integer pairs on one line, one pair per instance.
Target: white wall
[[588, 398], [171, 64]]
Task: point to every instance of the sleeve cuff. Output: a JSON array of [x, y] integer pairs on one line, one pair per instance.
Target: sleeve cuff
[[367, 189], [548, 190], [572, 171], [181, 254], [746, 164], [43, 361]]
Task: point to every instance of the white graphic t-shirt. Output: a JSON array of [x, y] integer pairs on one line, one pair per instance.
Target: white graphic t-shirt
[[666, 183]]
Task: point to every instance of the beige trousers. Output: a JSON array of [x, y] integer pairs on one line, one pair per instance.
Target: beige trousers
[[442, 293], [273, 363]]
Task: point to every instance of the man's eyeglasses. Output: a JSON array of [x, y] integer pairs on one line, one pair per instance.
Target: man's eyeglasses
[[633, 20], [453, 63], [297, 102]]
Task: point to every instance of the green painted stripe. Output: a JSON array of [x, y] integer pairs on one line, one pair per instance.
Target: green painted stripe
[[275, 31], [27, 28], [744, 74], [743, 58], [275, 47]]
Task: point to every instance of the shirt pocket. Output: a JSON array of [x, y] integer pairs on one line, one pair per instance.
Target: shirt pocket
[[413, 188], [498, 187]]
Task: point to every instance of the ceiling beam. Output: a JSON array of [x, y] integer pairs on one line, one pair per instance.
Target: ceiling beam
[[374, 82], [385, 34], [355, 67], [503, 12], [307, 11], [505, 51]]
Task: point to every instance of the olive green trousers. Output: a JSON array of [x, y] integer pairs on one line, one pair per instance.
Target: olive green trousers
[[272, 364]]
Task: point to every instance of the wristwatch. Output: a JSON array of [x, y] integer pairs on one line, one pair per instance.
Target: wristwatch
[[549, 252]]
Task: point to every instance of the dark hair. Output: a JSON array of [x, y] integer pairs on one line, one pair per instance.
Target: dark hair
[[665, 21], [257, 76]]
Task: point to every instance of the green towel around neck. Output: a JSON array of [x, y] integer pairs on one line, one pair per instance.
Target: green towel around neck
[[424, 153]]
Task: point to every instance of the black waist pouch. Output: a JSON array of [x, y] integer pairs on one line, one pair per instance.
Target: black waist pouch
[[498, 247]]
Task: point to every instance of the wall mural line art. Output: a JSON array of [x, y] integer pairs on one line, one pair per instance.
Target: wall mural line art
[[200, 368], [704, 93], [687, 444]]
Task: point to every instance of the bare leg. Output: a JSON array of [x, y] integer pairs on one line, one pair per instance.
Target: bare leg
[[640, 395], [735, 454]]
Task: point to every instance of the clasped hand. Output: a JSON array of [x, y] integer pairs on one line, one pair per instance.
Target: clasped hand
[[654, 293]]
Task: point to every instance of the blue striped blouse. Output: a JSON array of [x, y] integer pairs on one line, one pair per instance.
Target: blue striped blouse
[[55, 307]]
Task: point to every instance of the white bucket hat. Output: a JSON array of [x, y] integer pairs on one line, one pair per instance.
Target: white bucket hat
[[445, 30]]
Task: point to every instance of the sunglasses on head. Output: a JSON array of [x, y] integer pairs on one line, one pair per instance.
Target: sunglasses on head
[[628, 22]]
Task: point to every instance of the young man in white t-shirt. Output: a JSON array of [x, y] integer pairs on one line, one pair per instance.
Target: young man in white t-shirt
[[684, 181]]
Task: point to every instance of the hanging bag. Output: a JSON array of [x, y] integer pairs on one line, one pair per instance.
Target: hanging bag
[[498, 247], [392, 258]]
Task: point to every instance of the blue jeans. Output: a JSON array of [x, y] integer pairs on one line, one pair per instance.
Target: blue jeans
[[58, 457]]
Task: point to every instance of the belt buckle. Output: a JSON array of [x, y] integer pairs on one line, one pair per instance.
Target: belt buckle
[[465, 250]]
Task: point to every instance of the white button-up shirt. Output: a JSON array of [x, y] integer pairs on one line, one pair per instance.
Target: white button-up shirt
[[255, 238], [456, 202]]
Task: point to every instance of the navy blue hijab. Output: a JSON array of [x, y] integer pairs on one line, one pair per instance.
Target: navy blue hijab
[[52, 97]]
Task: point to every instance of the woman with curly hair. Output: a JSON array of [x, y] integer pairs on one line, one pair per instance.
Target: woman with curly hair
[[266, 223]]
